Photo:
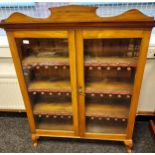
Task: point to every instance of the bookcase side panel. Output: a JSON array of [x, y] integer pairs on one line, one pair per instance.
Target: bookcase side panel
[[18, 67]]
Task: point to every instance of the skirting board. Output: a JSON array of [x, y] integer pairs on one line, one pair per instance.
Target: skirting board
[[146, 113]]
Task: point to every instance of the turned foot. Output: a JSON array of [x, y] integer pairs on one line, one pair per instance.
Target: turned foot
[[129, 145], [35, 140], [35, 143], [129, 149]]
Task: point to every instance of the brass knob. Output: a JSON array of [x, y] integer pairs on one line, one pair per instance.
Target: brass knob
[[80, 91]]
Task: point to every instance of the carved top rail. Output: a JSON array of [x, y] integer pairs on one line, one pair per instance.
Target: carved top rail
[[75, 15]]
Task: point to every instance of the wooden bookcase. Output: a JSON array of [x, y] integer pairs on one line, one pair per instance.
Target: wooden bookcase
[[80, 74]]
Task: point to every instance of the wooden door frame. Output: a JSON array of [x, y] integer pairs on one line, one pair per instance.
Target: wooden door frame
[[82, 34], [70, 35], [138, 81], [73, 75], [80, 79], [21, 80]]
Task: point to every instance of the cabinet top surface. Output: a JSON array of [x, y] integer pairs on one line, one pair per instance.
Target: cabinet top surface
[[75, 15]]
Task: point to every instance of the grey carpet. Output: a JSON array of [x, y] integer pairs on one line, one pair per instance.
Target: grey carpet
[[15, 137]]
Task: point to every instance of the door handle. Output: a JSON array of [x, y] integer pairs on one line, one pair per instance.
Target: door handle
[[81, 91]]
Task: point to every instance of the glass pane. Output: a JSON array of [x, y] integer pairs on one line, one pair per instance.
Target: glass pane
[[45, 63], [110, 67]]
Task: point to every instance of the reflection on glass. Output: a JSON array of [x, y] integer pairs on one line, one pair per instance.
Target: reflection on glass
[[110, 67], [45, 63]]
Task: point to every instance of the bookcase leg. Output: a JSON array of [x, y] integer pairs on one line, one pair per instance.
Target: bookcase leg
[[35, 140], [129, 145]]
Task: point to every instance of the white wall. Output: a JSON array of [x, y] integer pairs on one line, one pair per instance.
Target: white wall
[[147, 95], [11, 97]]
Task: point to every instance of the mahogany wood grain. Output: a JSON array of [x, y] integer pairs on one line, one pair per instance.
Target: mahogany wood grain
[[111, 33], [70, 134], [75, 13], [21, 80], [109, 87], [73, 75], [60, 61], [41, 34], [105, 110], [48, 108], [111, 61], [80, 76], [86, 42], [78, 16], [45, 61], [55, 133], [53, 86], [138, 81]]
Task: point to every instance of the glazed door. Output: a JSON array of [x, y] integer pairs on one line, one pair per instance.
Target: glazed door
[[45, 64], [108, 61]]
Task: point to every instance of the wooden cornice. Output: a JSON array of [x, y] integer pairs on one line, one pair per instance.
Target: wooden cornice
[[75, 15]]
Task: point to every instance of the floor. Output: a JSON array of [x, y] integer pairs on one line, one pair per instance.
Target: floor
[[15, 137]]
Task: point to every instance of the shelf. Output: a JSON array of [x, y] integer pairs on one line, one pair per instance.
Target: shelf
[[101, 110], [111, 61], [106, 127], [109, 87], [45, 61], [48, 49], [55, 124], [45, 108], [110, 110], [49, 86], [95, 61]]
